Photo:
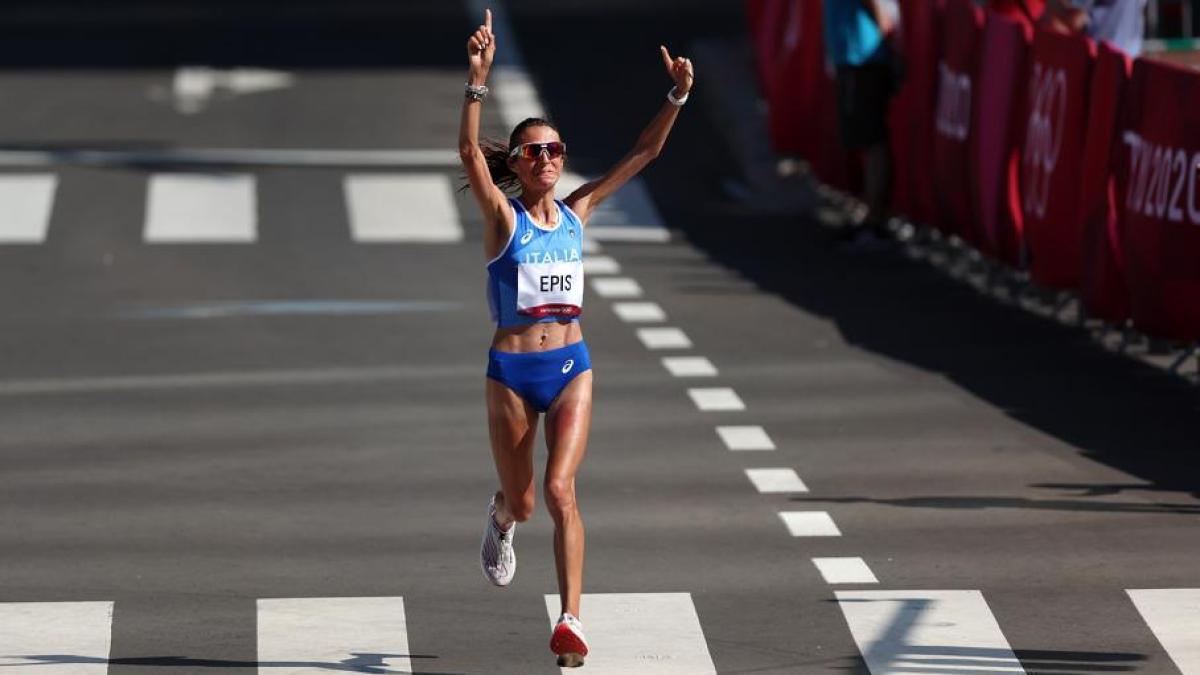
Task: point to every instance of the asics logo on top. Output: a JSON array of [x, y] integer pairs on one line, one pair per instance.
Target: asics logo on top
[[568, 366], [526, 237]]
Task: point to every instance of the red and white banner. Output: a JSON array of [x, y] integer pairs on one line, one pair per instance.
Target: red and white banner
[[913, 110], [1103, 287], [795, 90], [1056, 119], [1157, 168], [996, 225], [953, 114]]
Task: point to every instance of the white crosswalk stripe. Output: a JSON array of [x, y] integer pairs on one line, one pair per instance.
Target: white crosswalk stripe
[[402, 207], [644, 633], [217, 208], [927, 632], [298, 636], [200, 208], [1173, 614], [27, 200], [55, 638]]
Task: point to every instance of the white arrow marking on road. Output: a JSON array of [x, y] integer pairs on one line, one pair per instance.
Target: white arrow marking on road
[[1173, 614], [644, 633], [300, 636], [194, 86], [56, 638], [927, 632]]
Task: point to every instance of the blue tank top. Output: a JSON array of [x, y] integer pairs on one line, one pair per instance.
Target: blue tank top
[[538, 275]]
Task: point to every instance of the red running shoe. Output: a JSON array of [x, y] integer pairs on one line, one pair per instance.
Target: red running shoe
[[568, 642]]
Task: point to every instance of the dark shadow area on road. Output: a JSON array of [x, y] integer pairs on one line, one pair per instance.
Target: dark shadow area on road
[[1047, 376], [308, 33]]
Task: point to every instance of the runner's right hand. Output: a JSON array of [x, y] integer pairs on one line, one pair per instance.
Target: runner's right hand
[[481, 49]]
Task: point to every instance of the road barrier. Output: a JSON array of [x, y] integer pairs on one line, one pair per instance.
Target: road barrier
[[1046, 152]]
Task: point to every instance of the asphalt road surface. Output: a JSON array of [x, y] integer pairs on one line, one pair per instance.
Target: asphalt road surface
[[241, 392]]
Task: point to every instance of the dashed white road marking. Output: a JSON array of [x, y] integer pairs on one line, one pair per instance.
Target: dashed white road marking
[[689, 366], [600, 264], [845, 571], [627, 633], [639, 312], [57, 638], [302, 636], [590, 246], [664, 338], [927, 632], [1173, 615], [810, 524], [775, 481], [196, 208], [410, 207], [28, 200], [716, 398], [745, 438], [617, 287]]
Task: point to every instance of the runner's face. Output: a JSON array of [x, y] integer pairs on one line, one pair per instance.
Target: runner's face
[[541, 173]]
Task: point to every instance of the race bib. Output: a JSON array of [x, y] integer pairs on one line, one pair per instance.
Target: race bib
[[550, 289]]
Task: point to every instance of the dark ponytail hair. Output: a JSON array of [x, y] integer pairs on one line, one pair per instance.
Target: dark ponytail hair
[[496, 154]]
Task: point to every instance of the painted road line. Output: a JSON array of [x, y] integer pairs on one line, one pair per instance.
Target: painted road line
[[299, 636], [776, 481], [745, 438], [600, 264], [664, 338], [1173, 615], [196, 208], [927, 632], [590, 246], [810, 524], [716, 398], [227, 157], [412, 207], [689, 366], [27, 200], [845, 571], [644, 633], [55, 638], [639, 312], [616, 287]]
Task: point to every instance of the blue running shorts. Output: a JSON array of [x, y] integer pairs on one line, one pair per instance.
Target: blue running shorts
[[539, 377]]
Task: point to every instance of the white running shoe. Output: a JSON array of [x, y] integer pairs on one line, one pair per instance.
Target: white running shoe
[[496, 555], [567, 641]]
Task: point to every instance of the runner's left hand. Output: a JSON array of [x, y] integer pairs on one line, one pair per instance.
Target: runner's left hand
[[680, 70]]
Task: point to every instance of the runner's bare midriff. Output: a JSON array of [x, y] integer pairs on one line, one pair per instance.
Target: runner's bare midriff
[[537, 337]]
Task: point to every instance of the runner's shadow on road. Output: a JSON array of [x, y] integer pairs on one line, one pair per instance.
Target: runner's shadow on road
[[360, 663]]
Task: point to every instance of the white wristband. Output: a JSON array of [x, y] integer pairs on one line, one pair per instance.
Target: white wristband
[[677, 101]]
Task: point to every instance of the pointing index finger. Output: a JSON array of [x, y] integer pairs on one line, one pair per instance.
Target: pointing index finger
[[666, 56], [487, 18]]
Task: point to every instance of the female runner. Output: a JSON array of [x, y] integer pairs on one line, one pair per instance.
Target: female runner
[[538, 362]]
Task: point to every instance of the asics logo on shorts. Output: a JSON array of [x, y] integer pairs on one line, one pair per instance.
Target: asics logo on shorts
[[568, 366], [526, 237]]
